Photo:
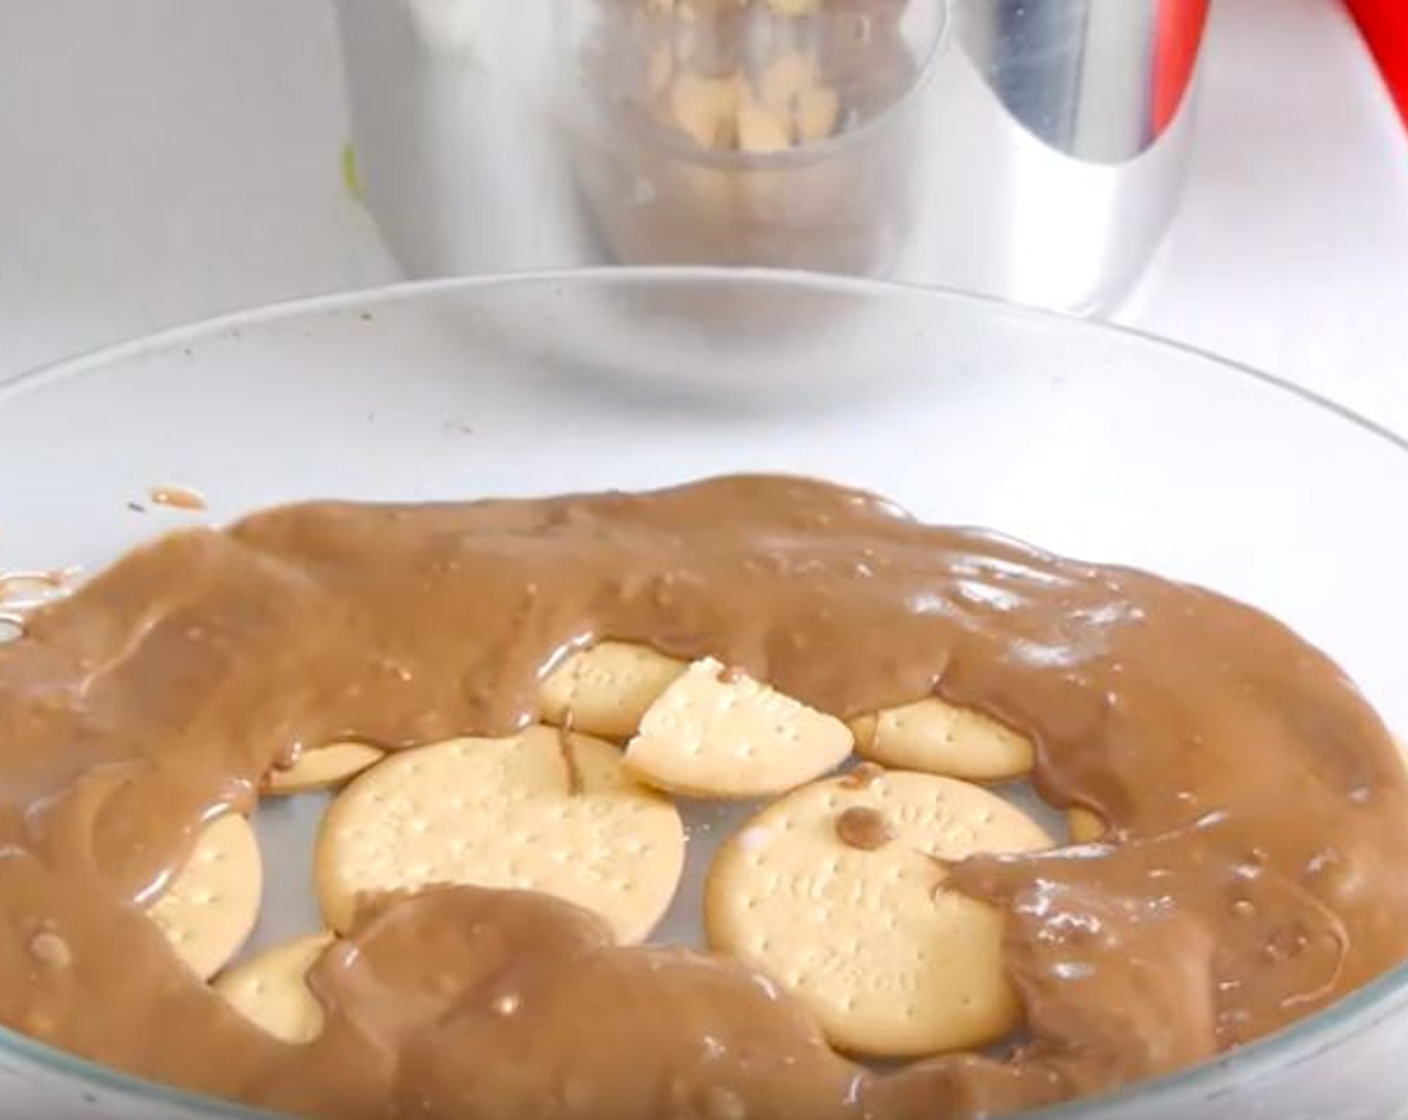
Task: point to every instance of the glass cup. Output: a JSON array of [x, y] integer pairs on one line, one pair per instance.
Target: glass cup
[[750, 132]]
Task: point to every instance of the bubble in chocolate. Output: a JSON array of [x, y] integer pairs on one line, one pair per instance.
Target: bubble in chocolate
[[51, 949]]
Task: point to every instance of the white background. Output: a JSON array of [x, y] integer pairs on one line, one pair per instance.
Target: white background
[[163, 160]]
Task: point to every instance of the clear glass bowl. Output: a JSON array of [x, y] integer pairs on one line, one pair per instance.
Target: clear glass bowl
[[1089, 440]]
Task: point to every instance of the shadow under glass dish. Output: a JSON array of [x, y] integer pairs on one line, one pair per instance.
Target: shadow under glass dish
[[1091, 441]]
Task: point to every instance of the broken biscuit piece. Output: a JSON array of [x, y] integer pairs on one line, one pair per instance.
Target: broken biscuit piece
[[271, 991], [322, 768], [936, 737], [209, 909], [717, 732], [605, 690], [1085, 826], [706, 109]]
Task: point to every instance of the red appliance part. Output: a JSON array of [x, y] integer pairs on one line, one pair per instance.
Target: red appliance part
[[1176, 39], [1385, 25]]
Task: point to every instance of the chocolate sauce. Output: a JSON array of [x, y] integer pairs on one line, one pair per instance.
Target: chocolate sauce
[[176, 497], [1261, 812], [572, 771], [860, 826]]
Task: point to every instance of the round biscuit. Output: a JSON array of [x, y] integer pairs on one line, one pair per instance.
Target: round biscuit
[[861, 929], [519, 813], [209, 909], [936, 737], [605, 690], [322, 768], [716, 732], [270, 990]]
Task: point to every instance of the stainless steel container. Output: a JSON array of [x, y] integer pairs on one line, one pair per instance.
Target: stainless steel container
[[1030, 149]]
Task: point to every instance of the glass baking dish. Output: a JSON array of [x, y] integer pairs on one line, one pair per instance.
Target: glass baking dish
[[1090, 440]]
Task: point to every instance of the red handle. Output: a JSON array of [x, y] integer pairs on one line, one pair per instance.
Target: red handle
[[1179, 31], [1385, 26]]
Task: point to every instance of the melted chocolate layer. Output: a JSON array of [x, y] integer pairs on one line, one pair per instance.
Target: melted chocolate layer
[[1256, 869]]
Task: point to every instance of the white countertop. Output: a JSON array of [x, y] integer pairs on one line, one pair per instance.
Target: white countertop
[[162, 161]]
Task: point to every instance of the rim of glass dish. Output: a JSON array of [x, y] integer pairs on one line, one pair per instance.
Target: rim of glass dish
[[1256, 1056]]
